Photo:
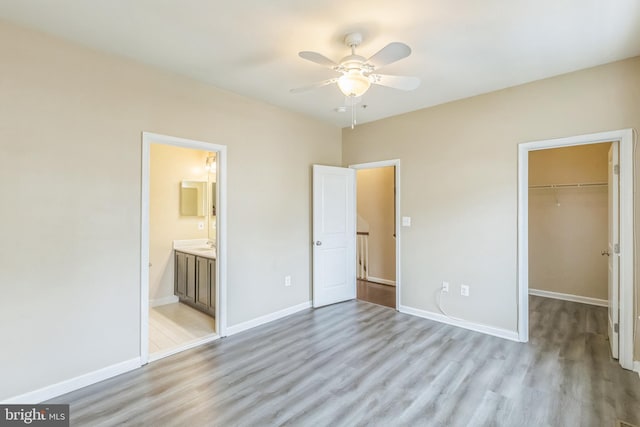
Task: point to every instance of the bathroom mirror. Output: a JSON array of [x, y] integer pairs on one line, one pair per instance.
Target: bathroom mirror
[[193, 198]]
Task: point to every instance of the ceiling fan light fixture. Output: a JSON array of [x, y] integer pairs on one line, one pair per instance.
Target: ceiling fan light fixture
[[353, 83], [358, 73]]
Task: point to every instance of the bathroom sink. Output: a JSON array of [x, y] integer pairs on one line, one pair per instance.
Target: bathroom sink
[[202, 251]]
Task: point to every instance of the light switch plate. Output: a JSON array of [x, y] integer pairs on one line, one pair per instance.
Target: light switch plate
[[406, 221], [201, 226]]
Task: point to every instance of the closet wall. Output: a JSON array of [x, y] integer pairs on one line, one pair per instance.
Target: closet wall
[[568, 226]]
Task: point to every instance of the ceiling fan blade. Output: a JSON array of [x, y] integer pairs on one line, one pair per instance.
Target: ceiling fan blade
[[317, 58], [314, 85], [396, 82], [390, 53]]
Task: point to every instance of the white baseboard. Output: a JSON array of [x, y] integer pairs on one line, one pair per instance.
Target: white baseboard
[[636, 366], [267, 318], [163, 301], [477, 327], [569, 297], [381, 281], [72, 384]]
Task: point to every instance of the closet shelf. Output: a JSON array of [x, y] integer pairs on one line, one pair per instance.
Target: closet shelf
[[577, 185]]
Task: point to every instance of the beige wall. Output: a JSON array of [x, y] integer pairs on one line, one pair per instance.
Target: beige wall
[[71, 121], [376, 208], [459, 179], [568, 226], [169, 166], [569, 165]]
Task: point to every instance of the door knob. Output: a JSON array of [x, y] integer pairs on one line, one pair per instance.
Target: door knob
[[603, 253], [318, 243]]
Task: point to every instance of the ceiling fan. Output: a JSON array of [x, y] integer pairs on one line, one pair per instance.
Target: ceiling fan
[[359, 73]]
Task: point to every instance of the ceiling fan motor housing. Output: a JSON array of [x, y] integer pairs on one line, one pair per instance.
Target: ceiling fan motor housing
[[353, 62]]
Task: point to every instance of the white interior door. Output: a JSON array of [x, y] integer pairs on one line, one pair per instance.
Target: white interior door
[[614, 257], [334, 235]]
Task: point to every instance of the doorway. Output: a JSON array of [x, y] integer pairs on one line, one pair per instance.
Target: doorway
[[183, 241], [568, 217], [334, 232], [622, 140], [377, 240], [375, 235]]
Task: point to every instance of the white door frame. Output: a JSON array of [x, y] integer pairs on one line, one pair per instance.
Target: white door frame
[[382, 164], [221, 235], [625, 140]]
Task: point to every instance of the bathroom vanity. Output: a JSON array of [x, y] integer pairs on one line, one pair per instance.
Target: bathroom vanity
[[195, 277]]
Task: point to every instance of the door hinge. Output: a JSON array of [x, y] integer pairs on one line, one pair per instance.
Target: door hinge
[[616, 248], [616, 169], [616, 328]]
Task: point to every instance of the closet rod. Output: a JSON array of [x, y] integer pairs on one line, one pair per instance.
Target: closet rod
[[580, 185]]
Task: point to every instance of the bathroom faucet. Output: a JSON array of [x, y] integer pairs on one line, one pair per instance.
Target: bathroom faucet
[[211, 243]]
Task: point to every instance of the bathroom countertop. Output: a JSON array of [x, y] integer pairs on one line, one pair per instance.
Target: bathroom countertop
[[198, 247]]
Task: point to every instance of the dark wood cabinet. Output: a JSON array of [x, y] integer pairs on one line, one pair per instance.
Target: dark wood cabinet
[[190, 294], [180, 282], [195, 279], [212, 286], [185, 277]]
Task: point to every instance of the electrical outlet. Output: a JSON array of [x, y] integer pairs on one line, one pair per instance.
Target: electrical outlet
[[464, 290], [287, 280], [201, 226], [445, 287]]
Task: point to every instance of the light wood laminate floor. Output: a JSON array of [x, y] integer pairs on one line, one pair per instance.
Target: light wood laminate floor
[[361, 364], [177, 324]]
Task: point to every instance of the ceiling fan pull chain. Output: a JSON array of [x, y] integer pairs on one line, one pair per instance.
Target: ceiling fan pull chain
[[352, 101]]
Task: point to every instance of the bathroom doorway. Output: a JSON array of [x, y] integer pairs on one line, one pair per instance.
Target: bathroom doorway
[[183, 245]]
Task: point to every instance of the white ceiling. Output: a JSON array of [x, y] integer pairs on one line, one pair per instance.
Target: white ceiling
[[460, 48]]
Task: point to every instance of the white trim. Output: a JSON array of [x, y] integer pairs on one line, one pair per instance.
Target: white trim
[[221, 232], [625, 139], [72, 384], [626, 256], [477, 327], [186, 346], [636, 366], [569, 297], [171, 299], [240, 327], [381, 164], [144, 251], [381, 281]]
